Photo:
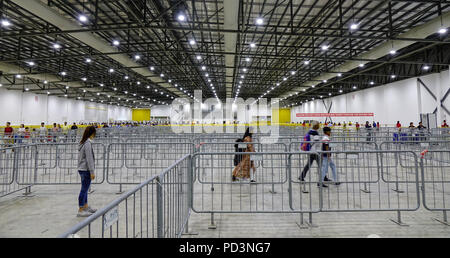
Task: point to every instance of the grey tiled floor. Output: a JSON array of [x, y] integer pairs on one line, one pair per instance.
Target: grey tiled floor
[[51, 211]]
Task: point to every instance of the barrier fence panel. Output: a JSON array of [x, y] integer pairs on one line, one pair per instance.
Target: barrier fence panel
[[175, 192], [216, 192], [57, 163], [336, 145], [131, 163], [435, 169], [415, 146], [158, 207], [16, 161]]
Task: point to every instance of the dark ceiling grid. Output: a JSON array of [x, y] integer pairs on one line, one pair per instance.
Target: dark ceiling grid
[[114, 19], [329, 82]]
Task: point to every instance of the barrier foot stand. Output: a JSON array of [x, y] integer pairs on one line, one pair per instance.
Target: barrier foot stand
[[443, 221], [301, 224], [365, 189], [186, 231], [396, 189], [304, 189], [120, 189], [27, 192], [212, 225], [399, 220], [272, 191], [310, 222]]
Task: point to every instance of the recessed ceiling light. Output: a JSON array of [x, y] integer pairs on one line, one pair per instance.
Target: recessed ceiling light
[[192, 42], [5, 23], [292, 72], [56, 46], [45, 82], [152, 68], [443, 31], [181, 17], [426, 67], [393, 76], [82, 18], [84, 79], [199, 57], [392, 52], [88, 60], [116, 43], [31, 63], [252, 45], [137, 57], [325, 47], [111, 70], [339, 74], [247, 59], [361, 65], [354, 26], [306, 62], [63, 73], [259, 21], [203, 68]]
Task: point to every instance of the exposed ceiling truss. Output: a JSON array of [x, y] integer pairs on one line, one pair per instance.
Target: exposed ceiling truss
[[210, 50]]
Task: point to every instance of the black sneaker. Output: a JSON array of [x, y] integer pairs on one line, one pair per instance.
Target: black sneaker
[[301, 179], [326, 179], [323, 185], [233, 179], [336, 183], [252, 181]]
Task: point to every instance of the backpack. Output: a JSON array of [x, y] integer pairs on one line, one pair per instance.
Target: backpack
[[238, 157], [306, 145]]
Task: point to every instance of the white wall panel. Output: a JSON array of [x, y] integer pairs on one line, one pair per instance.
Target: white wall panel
[[32, 109], [398, 101]]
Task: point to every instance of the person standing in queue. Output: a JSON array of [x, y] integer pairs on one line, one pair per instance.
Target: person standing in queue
[[86, 169]]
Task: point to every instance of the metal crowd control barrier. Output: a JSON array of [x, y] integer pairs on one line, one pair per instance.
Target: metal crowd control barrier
[[278, 189], [435, 170], [14, 162], [57, 163], [216, 192], [131, 163], [158, 207]]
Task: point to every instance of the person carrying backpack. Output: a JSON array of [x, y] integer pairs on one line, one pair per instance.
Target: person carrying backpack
[[311, 141]]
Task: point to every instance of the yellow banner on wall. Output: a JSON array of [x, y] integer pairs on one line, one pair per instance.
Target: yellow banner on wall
[[140, 115]]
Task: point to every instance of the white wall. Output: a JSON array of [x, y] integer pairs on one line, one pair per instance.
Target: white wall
[[399, 101], [160, 110], [22, 107]]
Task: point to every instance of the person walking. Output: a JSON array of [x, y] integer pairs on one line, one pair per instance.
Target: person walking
[[86, 169], [242, 170], [311, 142], [326, 157]]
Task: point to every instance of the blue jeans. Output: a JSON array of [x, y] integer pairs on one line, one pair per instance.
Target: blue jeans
[[85, 183], [325, 162]]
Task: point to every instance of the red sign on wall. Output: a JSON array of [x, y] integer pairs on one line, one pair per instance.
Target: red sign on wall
[[333, 114]]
